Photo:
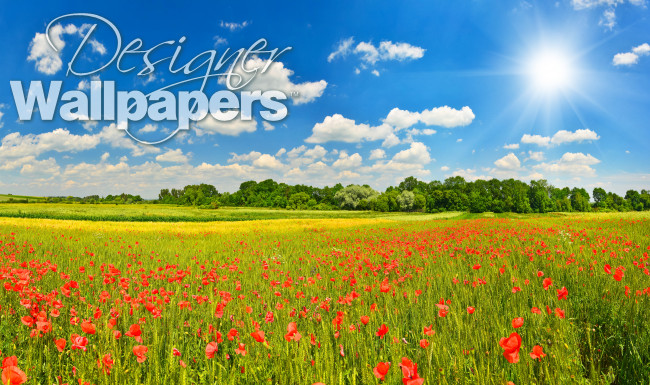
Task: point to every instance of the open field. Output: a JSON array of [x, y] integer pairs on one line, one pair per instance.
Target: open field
[[6, 197], [336, 301]]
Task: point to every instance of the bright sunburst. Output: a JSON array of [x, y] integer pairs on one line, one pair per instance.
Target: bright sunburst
[[550, 71]]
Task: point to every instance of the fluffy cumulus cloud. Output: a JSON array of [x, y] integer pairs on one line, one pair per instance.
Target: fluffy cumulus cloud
[[346, 161], [632, 57], [275, 76], [173, 156], [561, 137], [370, 54], [577, 164], [341, 129], [508, 162], [48, 60], [444, 116]]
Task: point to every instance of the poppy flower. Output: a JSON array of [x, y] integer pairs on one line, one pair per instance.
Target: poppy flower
[[258, 335], [535, 310], [365, 319], [428, 330], [608, 269], [9, 361], [547, 283], [511, 346], [518, 322], [60, 344], [175, 352], [537, 353], [470, 310], [87, 327], [559, 312], [135, 332], [13, 375], [618, 275], [241, 349], [381, 370], [292, 332], [140, 352], [381, 332], [410, 372], [424, 343], [562, 293], [78, 342], [211, 349]]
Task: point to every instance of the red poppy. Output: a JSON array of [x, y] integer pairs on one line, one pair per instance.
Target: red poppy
[[559, 312], [537, 353], [410, 372], [365, 319], [381, 332], [135, 332], [78, 342], [241, 349], [428, 330], [211, 349], [535, 310], [258, 335], [518, 322], [470, 310], [60, 344], [424, 343], [547, 283], [292, 332], [562, 293], [13, 375], [9, 361], [608, 269], [87, 327], [381, 370], [140, 352], [511, 346]]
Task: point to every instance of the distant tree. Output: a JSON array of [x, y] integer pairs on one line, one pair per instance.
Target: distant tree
[[405, 200], [349, 197]]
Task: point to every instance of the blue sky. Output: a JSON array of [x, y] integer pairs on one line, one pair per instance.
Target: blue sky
[[385, 90]]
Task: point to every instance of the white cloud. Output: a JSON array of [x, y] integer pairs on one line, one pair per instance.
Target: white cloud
[[512, 146], [209, 126], [561, 137], [579, 136], [316, 152], [48, 61], [173, 156], [377, 153], [148, 128], [114, 137], [267, 161], [218, 41], [232, 26], [631, 58], [444, 116], [535, 139], [105, 156], [339, 128], [508, 162], [537, 156], [444, 168], [347, 162], [343, 49], [276, 77], [370, 54], [577, 164], [1, 115], [608, 20], [625, 59], [15, 145], [418, 153], [390, 141], [268, 126], [250, 157], [643, 49]]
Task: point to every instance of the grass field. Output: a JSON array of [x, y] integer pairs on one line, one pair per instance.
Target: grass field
[[550, 299], [6, 197]]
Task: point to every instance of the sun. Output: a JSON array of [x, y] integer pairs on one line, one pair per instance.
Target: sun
[[550, 71]]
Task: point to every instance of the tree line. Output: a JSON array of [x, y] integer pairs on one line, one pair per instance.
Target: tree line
[[453, 194]]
